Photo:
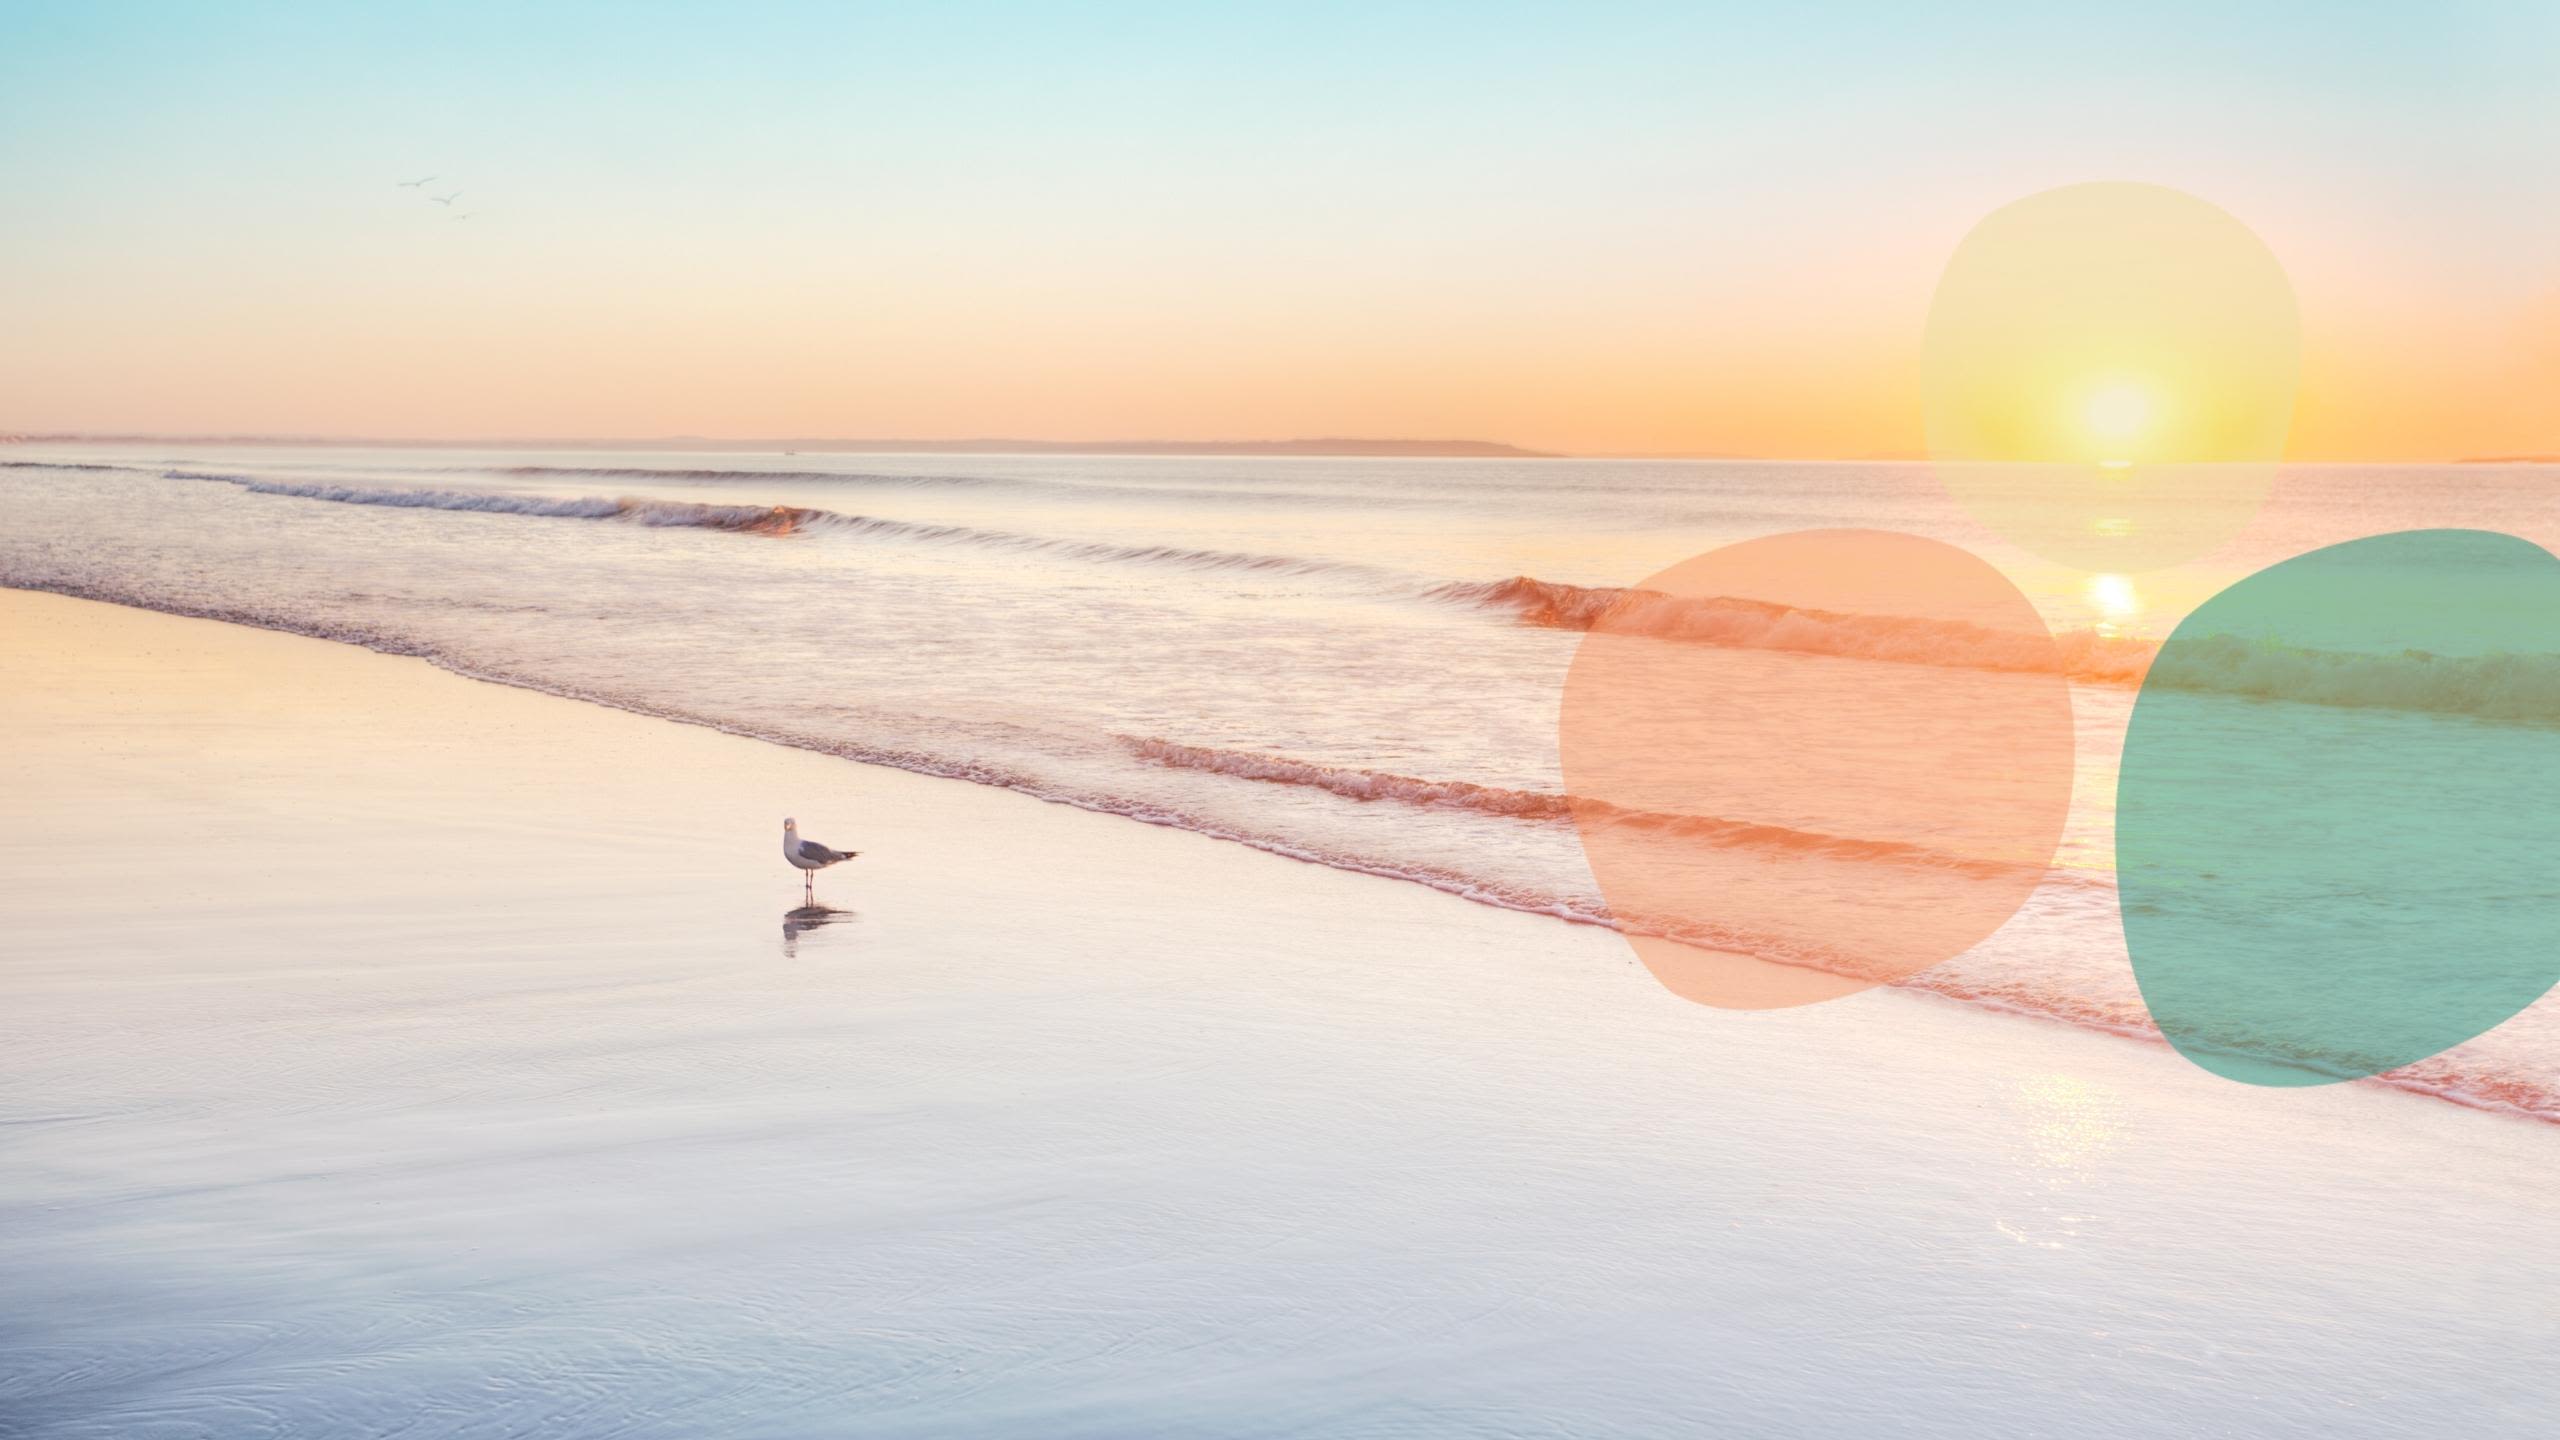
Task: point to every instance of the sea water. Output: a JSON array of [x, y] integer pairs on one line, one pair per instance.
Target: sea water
[[1356, 662]]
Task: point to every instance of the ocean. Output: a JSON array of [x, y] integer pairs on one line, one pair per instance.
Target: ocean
[[1354, 662]]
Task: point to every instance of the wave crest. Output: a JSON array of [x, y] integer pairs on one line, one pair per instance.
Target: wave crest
[[1733, 623], [1378, 785], [2511, 689], [650, 472], [773, 520]]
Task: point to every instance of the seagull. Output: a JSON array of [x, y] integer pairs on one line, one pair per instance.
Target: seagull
[[411, 184], [446, 199], [462, 217], [809, 857]]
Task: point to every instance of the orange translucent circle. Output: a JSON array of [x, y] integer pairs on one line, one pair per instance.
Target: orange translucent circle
[[1809, 764]]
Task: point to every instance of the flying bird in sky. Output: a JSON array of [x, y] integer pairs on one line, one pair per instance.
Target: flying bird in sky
[[445, 199], [411, 184]]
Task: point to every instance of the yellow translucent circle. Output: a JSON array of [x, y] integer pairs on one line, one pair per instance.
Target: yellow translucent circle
[[2110, 373]]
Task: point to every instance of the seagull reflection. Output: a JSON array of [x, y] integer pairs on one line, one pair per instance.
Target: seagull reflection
[[799, 922]]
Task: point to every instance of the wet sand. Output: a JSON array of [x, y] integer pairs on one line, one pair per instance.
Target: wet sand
[[387, 1052]]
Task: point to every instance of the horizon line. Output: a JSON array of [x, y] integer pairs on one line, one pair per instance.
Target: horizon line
[[1336, 446]]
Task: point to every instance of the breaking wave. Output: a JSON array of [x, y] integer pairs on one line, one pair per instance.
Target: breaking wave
[[2509, 689], [2505, 688], [1739, 624], [1377, 785]]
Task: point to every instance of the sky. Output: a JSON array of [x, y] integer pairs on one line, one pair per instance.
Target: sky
[[1592, 228]]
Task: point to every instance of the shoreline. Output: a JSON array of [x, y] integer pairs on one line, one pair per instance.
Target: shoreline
[[442, 1061], [1456, 887]]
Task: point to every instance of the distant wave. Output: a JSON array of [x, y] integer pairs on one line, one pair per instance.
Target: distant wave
[[747, 519], [2505, 689], [771, 520], [1084, 487], [648, 472]]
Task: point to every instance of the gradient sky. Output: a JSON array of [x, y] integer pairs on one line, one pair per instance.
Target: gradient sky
[[1598, 228]]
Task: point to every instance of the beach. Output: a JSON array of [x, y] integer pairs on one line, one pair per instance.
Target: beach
[[387, 1051], [1512, 722]]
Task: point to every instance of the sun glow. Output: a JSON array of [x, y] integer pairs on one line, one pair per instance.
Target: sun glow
[[2119, 417]]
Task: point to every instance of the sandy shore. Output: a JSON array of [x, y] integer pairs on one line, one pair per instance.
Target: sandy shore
[[384, 1052]]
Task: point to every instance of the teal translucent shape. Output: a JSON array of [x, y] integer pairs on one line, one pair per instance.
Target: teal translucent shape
[[2338, 815]]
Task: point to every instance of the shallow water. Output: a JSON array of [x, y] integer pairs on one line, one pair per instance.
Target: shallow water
[[1356, 662]]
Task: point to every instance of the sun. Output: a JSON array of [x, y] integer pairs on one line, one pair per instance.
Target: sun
[[2114, 598], [2118, 416], [2109, 338]]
